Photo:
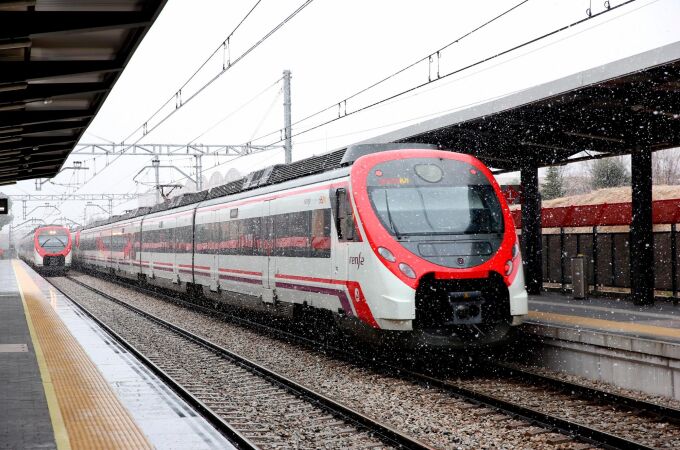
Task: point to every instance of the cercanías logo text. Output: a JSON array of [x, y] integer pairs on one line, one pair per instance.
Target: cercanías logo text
[[356, 260]]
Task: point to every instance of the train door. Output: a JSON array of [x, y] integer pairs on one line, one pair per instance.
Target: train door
[[344, 232], [213, 235], [266, 247]]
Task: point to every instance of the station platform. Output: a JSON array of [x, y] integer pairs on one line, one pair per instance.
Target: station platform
[[660, 321], [606, 339], [65, 384]]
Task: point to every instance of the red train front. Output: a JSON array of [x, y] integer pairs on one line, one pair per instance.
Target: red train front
[[441, 247], [47, 248]]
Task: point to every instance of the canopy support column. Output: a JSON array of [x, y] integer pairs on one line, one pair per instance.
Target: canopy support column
[[531, 229], [641, 232]]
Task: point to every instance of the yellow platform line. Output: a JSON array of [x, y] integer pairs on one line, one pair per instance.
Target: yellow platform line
[[85, 412], [58, 427], [605, 325]]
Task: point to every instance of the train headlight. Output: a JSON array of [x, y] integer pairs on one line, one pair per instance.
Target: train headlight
[[407, 270], [388, 255], [508, 267]]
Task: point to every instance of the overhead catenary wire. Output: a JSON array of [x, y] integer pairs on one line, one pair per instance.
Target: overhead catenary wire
[[265, 37], [415, 63], [266, 113], [219, 164], [404, 69], [201, 89], [412, 119], [454, 72], [223, 119], [233, 112], [207, 60], [440, 77], [183, 102]]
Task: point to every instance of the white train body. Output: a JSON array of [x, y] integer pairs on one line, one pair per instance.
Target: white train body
[[317, 242]]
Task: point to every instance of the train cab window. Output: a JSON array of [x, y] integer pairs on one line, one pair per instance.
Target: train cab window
[[344, 219]]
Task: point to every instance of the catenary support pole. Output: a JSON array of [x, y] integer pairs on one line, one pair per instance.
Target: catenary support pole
[[156, 165], [531, 228], [199, 172], [641, 232], [288, 145]]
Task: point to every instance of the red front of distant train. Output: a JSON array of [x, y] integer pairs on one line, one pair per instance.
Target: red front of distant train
[[47, 247]]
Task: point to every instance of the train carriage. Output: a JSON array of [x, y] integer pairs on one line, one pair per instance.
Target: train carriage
[[47, 248], [397, 241]]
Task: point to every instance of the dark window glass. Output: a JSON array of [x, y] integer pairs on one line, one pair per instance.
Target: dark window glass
[[53, 241], [432, 196]]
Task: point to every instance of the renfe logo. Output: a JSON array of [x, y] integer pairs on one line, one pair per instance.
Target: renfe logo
[[357, 261]]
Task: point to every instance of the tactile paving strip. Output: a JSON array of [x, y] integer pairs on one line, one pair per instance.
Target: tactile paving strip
[[92, 414]]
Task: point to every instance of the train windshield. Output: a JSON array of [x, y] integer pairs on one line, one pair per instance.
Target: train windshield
[[430, 196], [53, 240]]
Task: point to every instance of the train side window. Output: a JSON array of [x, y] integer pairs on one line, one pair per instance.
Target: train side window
[[344, 219]]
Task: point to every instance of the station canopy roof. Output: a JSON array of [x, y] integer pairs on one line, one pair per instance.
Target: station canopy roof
[[59, 59], [612, 109]]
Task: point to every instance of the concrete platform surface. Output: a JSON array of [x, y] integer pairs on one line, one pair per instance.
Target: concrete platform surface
[[65, 384], [607, 340], [660, 321]]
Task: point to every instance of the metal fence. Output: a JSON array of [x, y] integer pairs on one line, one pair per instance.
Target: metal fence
[[607, 256]]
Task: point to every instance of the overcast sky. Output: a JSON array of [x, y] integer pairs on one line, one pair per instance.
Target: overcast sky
[[333, 49]]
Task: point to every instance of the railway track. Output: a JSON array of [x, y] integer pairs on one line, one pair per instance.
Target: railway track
[[493, 393], [242, 398]]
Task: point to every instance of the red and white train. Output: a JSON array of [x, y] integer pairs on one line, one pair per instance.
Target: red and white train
[[392, 241], [47, 248]]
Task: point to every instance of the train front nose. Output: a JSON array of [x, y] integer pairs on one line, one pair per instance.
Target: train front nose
[[54, 260], [452, 306]]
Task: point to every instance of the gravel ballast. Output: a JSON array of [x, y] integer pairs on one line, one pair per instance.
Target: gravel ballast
[[427, 414]]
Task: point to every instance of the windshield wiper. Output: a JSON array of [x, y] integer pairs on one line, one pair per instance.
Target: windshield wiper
[[389, 216]]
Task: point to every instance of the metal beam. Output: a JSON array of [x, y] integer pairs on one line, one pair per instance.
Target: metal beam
[[531, 228], [42, 173], [21, 118], [41, 70], [33, 142], [16, 3], [641, 229], [40, 92], [168, 149], [15, 161], [49, 128], [71, 197], [36, 23]]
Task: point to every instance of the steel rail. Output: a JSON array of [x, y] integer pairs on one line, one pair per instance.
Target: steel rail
[[231, 433], [588, 392], [539, 418], [384, 432]]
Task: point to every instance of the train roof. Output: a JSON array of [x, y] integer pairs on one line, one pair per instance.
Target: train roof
[[34, 229], [268, 176]]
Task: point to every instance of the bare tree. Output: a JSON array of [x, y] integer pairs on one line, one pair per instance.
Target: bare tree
[[666, 166]]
